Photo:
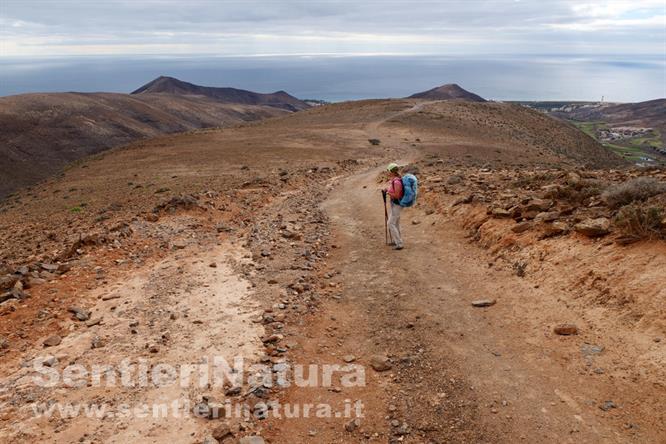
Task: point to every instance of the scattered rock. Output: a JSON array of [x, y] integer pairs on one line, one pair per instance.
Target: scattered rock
[[554, 229], [591, 349], [178, 244], [593, 227], [349, 358], [463, 200], [93, 322], [210, 440], [607, 405], [50, 361], [454, 180], [521, 227], [222, 431], [79, 313], [566, 329], [380, 363], [484, 302], [96, 342], [374, 141], [538, 205], [547, 216], [52, 341], [416, 222], [251, 440], [500, 213], [7, 296], [353, 425], [50, 267]]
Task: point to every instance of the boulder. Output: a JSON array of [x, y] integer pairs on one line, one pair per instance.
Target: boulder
[[593, 227]]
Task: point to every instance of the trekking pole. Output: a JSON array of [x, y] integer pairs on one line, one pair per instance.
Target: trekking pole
[[386, 231]]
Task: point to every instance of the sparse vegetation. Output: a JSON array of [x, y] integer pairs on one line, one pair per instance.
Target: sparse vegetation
[[577, 193], [641, 222], [633, 190]]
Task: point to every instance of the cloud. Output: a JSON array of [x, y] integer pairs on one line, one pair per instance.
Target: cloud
[[47, 27]]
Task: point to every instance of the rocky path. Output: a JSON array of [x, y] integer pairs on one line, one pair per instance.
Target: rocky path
[[455, 372]]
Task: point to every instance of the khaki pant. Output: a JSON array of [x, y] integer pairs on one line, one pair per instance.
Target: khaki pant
[[394, 224]]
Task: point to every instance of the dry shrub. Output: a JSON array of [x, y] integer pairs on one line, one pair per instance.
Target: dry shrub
[[581, 191], [531, 180], [641, 221], [638, 189]]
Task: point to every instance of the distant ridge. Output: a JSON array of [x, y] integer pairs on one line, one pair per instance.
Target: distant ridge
[[450, 91], [170, 85]]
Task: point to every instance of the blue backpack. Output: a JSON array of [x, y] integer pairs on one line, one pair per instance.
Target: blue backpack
[[410, 188]]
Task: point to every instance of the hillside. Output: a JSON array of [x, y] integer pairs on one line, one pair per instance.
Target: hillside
[[650, 113], [520, 136], [170, 85], [266, 242], [41, 133], [448, 92], [635, 130]]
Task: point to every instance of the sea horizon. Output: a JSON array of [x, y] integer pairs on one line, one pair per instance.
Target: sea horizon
[[336, 77]]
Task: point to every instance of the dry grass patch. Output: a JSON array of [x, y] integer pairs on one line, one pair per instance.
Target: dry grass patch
[[633, 190]]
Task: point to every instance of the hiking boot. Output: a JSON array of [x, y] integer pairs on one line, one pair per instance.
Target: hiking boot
[[398, 247]]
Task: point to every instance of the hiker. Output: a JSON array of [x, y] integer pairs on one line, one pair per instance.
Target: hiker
[[402, 192], [395, 193]]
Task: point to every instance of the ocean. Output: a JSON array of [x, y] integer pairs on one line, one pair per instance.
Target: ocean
[[617, 78]]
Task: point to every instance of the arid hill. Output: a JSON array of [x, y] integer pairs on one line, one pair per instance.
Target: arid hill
[[650, 113], [449, 91], [522, 269], [41, 133], [508, 134], [170, 85]]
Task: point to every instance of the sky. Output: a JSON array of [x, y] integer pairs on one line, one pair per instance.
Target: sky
[[340, 50], [315, 27]]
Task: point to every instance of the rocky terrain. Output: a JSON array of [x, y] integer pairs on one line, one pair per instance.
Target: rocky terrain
[[526, 306]]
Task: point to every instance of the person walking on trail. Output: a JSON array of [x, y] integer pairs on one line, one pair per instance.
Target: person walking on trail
[[402, 192], [395, 193]]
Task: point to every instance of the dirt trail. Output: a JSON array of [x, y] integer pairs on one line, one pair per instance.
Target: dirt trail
[[459, 373]]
